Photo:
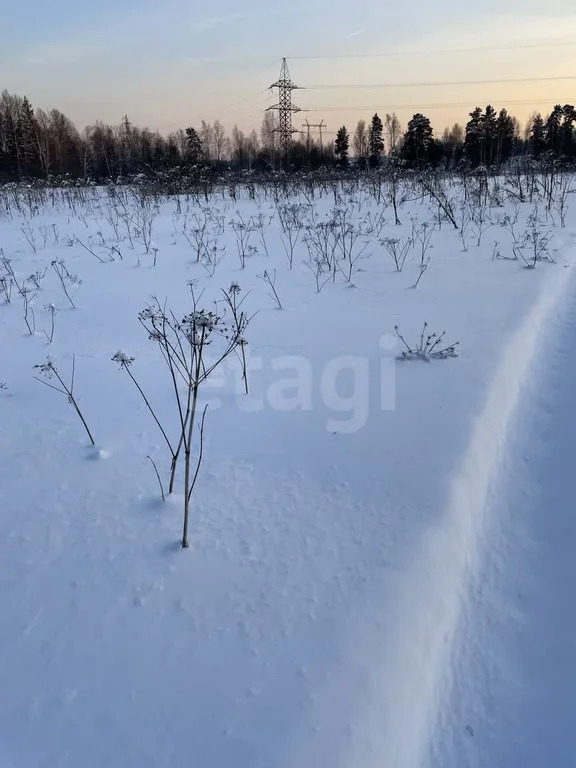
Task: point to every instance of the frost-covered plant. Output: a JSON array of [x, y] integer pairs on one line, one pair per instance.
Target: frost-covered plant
[[480, 221], [347, 238], [36, 277], [151, 460], [198, 235], [374, 222], [8, 278], [6, 284], [398, 249], [92, 251], [239, 322], [271, 282], [291, 217], [509, 223], [212, 256], [422, 267], [536, 242], [432, 184], [49, 372], [66, 278], [243, 231], [423, 235], [192, 349], [560, 204], [27, 297], [44, 231], [430, 346], [321, 242], [144, 214], [52, 309], [316, 266], [28, 233], [261, 224], [464, 226], [217, 219]]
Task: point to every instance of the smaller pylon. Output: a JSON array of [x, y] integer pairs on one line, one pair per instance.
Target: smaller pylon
[[285, 108], [321, 127]]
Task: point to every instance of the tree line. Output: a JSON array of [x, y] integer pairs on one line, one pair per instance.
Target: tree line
[[45, 144], [488, 139]]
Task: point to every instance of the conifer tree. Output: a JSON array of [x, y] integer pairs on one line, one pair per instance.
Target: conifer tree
[[375, 140], [474, 137], [342, 145], [552, 130], [418, 146], [193, 145], [537, 140], [505, 129], [489, 136], [26, 133], [567, 138]]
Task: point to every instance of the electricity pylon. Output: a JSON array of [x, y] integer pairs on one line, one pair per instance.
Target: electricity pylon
[[285, 108]]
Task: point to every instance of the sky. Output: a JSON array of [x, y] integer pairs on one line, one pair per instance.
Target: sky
[[172, 64]]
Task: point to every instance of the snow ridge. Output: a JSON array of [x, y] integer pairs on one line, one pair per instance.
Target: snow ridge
[[411, 691]]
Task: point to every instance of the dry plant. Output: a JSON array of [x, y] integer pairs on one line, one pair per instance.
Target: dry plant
[[429, 346], [49, 372], [192, 349]]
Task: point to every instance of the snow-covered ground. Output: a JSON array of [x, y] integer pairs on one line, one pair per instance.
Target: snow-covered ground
[[381, 550]]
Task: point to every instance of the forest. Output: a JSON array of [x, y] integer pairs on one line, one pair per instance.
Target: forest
[[46, 145]]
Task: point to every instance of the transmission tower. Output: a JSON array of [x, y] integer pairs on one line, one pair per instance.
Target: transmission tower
[[285, 108], [321, 127]]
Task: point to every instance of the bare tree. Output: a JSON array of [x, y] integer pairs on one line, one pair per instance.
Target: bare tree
[[457, 134], [393, 131], [64, 137], [269, 137], [360, 140], [207, 139], [180, 141], [220, 141], [238, 146], [42, 135], [252, 145]]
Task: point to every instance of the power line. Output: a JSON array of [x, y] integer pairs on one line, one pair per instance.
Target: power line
[[438, 51], [435, 105], [251, 98], [443, 83]]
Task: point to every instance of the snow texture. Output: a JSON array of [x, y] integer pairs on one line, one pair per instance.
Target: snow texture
[[381, 563]]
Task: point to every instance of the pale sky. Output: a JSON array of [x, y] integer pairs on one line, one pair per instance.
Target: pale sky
[[171, 64]]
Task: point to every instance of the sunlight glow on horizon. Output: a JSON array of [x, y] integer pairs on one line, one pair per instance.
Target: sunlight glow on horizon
[[167, 68]]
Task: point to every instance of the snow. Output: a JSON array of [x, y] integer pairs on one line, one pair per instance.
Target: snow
[[380, 549]]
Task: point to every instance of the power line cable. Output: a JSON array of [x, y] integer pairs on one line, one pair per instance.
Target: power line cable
[[435, 105], [438, 51], [442, 83]]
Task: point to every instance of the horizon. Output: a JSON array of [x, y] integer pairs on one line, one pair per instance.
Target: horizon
[[167, 69]]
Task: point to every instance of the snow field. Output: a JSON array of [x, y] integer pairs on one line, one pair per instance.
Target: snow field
[[343, 511]]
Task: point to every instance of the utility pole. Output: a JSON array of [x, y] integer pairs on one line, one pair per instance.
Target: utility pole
[[321, 127], [308, 126], [285, 108]]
